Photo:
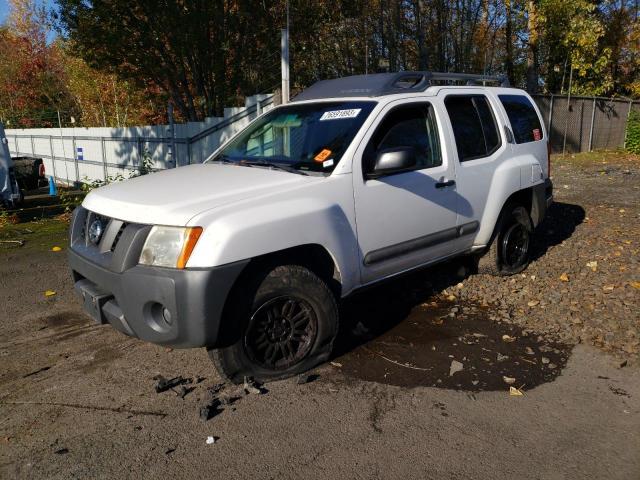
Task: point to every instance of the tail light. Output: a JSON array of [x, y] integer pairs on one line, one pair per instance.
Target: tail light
[[41, 170]]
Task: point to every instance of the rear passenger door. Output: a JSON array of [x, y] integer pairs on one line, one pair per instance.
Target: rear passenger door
[[477, 131]]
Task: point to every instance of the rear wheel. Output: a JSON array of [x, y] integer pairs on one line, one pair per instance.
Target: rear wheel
[[288, 320], [509, 251]]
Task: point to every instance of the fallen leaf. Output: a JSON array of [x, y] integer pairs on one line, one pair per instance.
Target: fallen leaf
[[533, 303], [336, 364], [515, 392], [451, 298], [509, 380], [49, 293], [593, 265], [564, 277], [635, 285], [455, 367], [608, 288], [56, 249], [508, 338]]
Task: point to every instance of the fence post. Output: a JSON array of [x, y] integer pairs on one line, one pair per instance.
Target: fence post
[[139, 146], [104, 159], [33, 148], [188, 151], [53, 158], [593, 118], [550, 121], [75, 158], [15, 141]]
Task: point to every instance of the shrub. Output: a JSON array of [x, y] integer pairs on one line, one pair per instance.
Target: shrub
[[632, 142]]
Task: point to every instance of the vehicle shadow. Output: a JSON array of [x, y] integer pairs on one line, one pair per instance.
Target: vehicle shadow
[[402, 332], [558, 225]]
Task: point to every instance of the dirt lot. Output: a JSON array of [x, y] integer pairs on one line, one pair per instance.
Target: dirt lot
[[418, 386]]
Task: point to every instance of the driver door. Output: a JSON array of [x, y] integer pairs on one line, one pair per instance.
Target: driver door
[[405, 219]]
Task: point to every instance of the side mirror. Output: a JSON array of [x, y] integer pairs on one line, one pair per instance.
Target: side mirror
[[393, 160]]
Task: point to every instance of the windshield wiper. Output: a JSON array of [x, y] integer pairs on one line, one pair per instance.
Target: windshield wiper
[[223, 159], [277, 166]]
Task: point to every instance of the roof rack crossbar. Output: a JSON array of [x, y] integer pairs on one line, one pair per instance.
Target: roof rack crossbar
[[470, 78]]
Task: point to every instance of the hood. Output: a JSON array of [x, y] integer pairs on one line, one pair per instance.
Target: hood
[[173, 197]]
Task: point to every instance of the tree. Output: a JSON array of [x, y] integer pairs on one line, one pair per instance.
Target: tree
[[31, 79], [193, 50]]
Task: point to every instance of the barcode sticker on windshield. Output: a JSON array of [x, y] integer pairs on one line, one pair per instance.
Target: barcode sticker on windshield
[[338, 114]]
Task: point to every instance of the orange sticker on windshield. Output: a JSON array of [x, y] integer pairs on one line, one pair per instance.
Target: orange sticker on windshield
[[323, 155]]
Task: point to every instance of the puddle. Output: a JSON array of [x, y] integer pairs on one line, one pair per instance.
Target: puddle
[[430, 347]]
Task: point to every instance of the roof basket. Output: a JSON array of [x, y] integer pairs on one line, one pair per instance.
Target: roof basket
[[389, 83]]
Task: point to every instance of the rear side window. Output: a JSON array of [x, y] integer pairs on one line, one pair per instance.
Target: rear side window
[[523, 118], [474, 126]]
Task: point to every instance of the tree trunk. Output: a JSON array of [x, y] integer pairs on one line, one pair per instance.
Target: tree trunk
[[508, 38], [532, 51]]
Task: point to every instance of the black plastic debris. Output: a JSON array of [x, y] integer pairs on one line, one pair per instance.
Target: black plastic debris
[[210, 410], [163, 384], [61, 451], [307, 378], [169, 451], [182, 391]]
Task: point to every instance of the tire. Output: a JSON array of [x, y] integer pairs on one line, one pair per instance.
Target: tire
[[288, 321], [510, 247]]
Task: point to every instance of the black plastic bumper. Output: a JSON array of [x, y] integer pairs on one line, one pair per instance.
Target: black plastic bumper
[[180, 308], [542, 200]]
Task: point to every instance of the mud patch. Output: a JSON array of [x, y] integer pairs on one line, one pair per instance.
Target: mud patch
[[100, 358], [64, 319], [452, 346]]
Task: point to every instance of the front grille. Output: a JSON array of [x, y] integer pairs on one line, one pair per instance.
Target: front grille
[[119, 245], [118, 235]]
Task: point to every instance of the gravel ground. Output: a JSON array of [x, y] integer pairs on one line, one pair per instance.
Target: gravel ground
[[584, 284], [419, 386]]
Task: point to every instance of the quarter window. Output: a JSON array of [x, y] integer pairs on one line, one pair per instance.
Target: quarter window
[[474, 126], [524, 120], [407, 126]]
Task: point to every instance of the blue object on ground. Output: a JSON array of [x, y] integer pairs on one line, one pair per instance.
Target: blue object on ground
[[53, 190]]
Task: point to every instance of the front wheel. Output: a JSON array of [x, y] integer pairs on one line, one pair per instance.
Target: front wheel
[[509, 251], [288, 320]]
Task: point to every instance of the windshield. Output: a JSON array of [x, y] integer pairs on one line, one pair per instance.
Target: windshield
[[308, 137]]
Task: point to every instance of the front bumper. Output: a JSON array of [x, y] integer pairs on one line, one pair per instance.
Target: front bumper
[[178, 308]]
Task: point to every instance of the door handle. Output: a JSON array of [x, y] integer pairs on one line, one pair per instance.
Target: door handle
[[448, 183]]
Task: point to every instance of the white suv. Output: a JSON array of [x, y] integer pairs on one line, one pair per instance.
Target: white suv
[[357, 180]]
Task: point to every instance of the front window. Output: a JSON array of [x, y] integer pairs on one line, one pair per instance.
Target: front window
[[308, 137]]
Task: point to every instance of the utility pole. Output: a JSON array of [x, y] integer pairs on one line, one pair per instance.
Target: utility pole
[[284, 47]]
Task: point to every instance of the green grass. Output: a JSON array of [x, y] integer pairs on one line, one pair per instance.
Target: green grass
[[40, 235], [598, 157]]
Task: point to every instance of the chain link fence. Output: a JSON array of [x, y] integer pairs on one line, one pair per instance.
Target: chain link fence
[[582, 124]]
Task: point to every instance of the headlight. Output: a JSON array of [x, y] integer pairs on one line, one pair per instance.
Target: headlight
[[169, 246]]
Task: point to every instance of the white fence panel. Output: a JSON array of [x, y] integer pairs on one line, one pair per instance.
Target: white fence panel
[[73, 155]]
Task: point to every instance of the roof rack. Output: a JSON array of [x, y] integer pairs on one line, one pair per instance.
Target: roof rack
[[379, 84]]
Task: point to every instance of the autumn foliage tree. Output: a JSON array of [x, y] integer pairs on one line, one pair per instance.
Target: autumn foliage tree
[[41, 81], [32, 86]]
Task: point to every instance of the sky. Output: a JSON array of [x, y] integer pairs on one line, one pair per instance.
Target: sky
[[4, 8]]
